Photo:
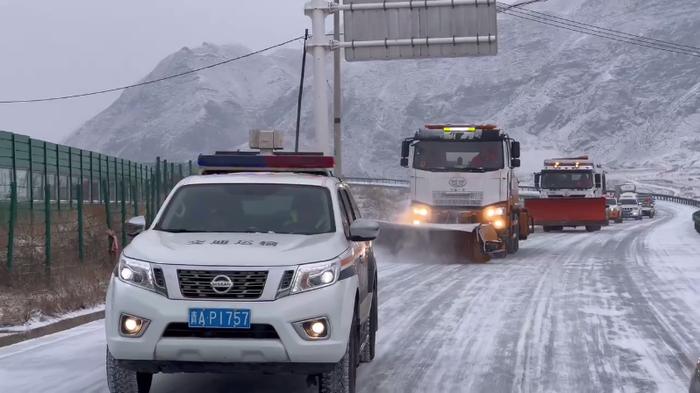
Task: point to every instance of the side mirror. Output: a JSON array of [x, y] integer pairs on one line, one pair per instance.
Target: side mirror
[[363, 230], [515, 162], [598, 181], [537, 180], [405, 151], [515, 149], [135, 225]]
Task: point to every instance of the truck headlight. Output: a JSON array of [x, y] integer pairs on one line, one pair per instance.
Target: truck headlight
[[421, 210], [494, 211], [315, 275], [137, 273]]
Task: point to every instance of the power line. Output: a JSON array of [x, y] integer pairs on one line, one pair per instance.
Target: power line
[[601, 35], [507, 7], [601, 32], [150, 82]]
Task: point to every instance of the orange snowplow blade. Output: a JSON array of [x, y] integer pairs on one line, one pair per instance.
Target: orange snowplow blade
[[567, 212], [470, 242]]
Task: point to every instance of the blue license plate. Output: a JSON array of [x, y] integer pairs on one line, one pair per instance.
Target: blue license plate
[[219, 318]]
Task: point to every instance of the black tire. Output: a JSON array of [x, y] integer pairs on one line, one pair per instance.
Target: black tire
[[639, 218], [513, 242], [547, 228], [370, 350], [618, 221], [697, 227], [121, 380], [695, 382], [593, 228], [343, 377]]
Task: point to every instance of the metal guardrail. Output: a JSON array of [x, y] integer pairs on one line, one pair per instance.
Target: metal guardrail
[[672, 198], [367, 181], [397, 183]]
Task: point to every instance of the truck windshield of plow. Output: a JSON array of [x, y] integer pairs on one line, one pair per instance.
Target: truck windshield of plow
[[628, 201], [458, 156], [249, 208], [569, 179]]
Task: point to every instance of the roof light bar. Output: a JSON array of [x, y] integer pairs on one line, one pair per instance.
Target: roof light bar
[[247, 161], [460, 127]]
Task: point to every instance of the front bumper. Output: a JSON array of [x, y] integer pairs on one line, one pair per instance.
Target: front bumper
[[631, 214], [335, 302]]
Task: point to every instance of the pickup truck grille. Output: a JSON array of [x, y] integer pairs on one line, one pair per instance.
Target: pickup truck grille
[[468, 198], [246, 285]]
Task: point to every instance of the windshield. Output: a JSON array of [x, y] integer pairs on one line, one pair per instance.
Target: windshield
[[610, 202], [567, 179], [628, 201], [462, 156], [265, 208]]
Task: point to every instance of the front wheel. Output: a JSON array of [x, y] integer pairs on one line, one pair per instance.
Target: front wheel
[[370, 349], [121, 380], [343, 376], [513, 243], [593, 228]]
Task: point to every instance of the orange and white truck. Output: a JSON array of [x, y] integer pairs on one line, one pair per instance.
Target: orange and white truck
[[572, 194]]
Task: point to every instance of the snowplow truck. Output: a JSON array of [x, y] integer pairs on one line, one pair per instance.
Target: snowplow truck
[[572, 194], [463, 191]]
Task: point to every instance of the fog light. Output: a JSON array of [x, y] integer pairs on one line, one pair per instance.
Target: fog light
[[318, 328], [313, 329], [499, 224], [416, 222], [132, 326]]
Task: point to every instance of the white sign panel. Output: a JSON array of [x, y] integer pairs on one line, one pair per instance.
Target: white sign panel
[[400, 29]]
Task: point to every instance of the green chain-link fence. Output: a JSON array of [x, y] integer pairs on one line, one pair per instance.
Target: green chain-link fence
[[62, 206]]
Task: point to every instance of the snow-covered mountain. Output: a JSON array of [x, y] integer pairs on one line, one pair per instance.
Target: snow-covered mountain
[[560, 92]]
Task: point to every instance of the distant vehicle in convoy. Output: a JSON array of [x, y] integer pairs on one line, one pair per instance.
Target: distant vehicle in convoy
[[631, 207], [571, 195], [648, 206], [462, 180], [262, 263], [626, 188], [614, 211]]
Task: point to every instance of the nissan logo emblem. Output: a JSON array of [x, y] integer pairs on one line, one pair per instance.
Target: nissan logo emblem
[[458, 182], [221, 284]]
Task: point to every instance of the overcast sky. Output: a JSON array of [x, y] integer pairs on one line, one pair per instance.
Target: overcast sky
[[58, 47]]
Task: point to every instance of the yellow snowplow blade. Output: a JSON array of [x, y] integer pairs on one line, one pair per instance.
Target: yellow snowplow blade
[[466, 242]]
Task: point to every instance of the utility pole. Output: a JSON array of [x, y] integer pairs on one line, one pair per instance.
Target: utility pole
[[317, 10], [337, 129]]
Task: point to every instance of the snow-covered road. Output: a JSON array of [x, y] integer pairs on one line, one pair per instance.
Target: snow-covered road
[[613, 311]]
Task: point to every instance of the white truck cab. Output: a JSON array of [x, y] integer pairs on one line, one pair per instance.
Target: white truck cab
[[464, 174], [261, 263], [577, 177]]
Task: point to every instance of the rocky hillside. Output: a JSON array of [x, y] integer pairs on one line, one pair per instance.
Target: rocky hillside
[[635, 109]]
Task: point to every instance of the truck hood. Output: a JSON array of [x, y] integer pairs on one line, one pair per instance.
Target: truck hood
[[460, 189], [234, 249]]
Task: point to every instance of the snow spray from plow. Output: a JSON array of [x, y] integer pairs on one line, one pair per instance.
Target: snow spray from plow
[[464, 243]]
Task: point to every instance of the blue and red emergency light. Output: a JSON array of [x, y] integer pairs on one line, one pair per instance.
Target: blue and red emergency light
[[242, 161]]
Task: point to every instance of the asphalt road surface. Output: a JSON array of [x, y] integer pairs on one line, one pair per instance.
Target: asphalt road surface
[[612, 311]]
